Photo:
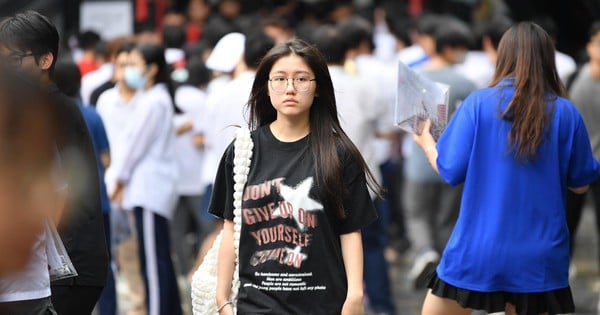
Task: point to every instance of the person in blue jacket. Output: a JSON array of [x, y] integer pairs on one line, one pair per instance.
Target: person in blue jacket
[[517, 146]]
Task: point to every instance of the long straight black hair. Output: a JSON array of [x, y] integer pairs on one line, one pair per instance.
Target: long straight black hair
[[326, 134]]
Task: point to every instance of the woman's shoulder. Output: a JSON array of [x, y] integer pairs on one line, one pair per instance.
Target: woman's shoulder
[[157, 95], [159, 90], [107, 100], [565, 108], [350, 159], [108, 95]]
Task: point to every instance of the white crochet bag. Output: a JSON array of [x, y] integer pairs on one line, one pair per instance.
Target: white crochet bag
[[204, 280]]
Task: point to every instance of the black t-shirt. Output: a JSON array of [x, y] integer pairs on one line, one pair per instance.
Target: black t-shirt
[[290, 255], [82, 225]]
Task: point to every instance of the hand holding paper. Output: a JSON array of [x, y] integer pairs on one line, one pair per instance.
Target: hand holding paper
[[419, 99]]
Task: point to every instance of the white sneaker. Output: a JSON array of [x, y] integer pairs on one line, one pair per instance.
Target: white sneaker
[[423, 265]]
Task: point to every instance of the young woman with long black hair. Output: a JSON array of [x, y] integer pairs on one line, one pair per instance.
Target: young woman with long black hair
[[305, 200]]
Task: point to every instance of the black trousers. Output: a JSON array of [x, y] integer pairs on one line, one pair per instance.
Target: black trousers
[[75, 299], [575, 203]]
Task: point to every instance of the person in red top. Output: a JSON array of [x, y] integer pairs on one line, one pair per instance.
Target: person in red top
[[87, 42]]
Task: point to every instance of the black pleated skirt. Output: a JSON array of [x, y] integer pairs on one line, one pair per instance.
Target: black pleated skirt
[[552, 302]]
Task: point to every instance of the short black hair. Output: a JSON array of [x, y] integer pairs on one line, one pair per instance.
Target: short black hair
[[67, 78], [594, 29], [356, 30], [454, 33], [329, 41], [88, 40], [30, 31], [216, 28], [256, 45], [495, 28], [547, 23], [174, 36], [279, 20], [198, 73], [196, 49], [126, 47], [427, 24], [102, 50], [400, 27]]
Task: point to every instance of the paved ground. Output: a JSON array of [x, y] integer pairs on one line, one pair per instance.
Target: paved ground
[[585, 284]]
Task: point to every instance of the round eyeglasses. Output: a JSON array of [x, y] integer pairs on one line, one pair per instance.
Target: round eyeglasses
[[280, 84]]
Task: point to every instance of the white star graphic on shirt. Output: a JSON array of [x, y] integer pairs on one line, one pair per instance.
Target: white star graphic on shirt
[[299, 199], [297, 252]]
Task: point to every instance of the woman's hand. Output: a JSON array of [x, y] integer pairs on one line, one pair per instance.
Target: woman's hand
[[427, 143], [425, 139], [185, 127], [353, 306], [117, 195], [227, 310]]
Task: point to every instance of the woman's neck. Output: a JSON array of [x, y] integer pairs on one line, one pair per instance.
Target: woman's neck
[[290, 131], [595, 69], [126, 93], [435, 63]]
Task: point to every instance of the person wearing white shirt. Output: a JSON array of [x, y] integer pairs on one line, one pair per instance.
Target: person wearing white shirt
[[105, 54], [116, 106], [406, 50], [226, 105], [477, 67], [565, 65], [31, 286], [93, 80], [187, 228], [147, 174]]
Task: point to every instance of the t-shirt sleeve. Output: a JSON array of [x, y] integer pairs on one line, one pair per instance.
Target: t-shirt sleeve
[[455, 144], [221, 202], [358, 205], [583, 167]]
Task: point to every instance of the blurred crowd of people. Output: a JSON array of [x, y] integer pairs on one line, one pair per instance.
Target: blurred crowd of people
[[158, 151]]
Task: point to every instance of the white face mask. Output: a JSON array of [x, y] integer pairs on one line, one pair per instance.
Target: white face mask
[[134, 78]]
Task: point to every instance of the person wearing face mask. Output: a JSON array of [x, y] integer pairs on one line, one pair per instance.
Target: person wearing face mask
[[431, 205], [116, 107], [145, 177]]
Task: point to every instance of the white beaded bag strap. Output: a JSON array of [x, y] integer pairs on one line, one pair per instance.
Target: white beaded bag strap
[[241, 167]]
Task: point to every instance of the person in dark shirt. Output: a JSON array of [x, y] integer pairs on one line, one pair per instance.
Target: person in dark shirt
[[305, 201], [67, 77], [34, 40]]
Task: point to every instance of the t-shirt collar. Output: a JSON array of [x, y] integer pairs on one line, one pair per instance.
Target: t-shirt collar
[[507, 82]]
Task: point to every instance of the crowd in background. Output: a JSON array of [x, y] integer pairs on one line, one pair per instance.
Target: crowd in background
[[159, 152]]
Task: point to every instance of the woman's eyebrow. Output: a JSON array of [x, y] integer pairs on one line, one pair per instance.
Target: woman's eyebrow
[[295, 72]]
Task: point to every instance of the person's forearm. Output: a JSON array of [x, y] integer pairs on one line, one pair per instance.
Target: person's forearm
[[432, 154], [226, 264], [105, 159], [352, 253]]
